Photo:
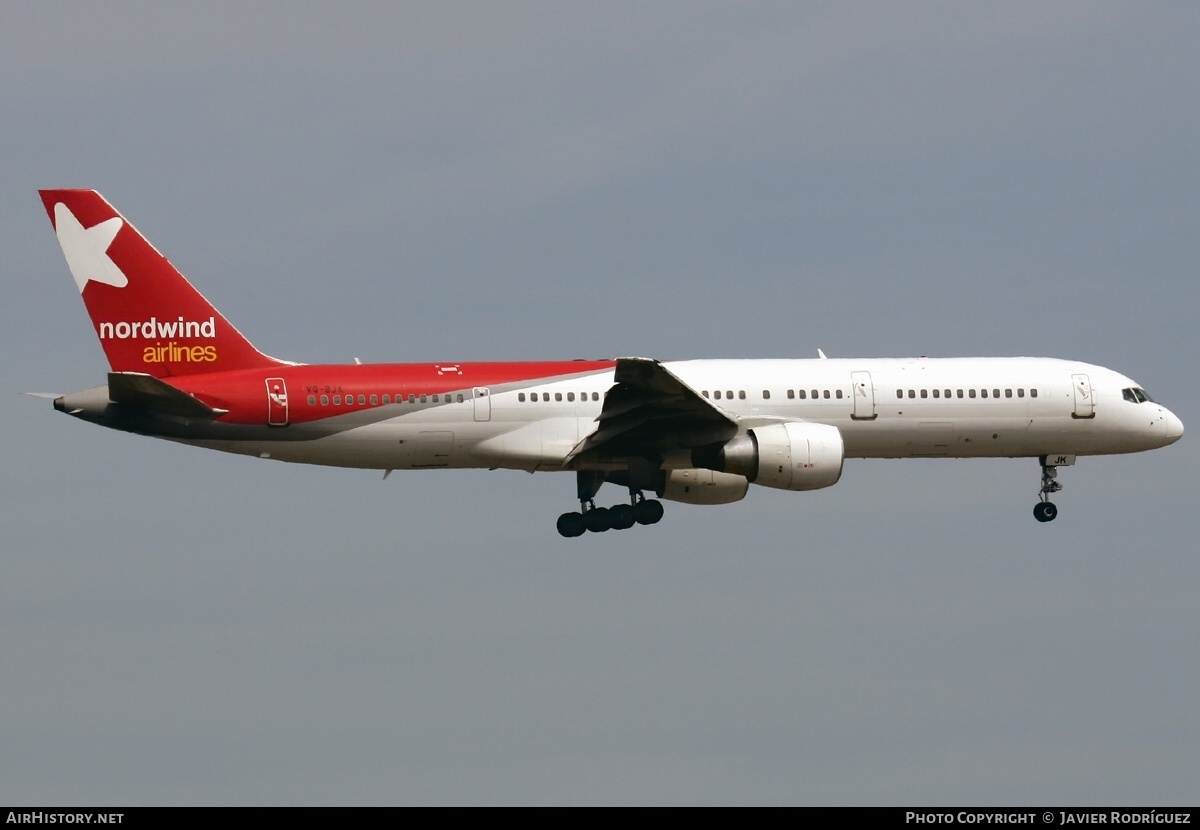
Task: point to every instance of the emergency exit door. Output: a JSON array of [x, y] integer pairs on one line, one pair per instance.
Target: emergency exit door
[[277, 402]]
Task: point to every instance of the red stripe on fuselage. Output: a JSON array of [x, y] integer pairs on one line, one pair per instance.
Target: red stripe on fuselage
[[243, 393]]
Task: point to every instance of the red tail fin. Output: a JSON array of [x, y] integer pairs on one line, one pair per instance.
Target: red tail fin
[[148, 317]]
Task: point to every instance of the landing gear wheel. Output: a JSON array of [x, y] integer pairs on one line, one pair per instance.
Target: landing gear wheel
[[621, 517], [648, 512], [597, 519], [571, 525], [1045, 511]]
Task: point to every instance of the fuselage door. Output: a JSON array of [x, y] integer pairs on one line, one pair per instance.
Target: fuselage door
[[483, 403], [277, 402], [1085, 401], [864, 396]]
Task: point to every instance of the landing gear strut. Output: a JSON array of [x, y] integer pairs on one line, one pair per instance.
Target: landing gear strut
[[1044, 510], [640, 510]]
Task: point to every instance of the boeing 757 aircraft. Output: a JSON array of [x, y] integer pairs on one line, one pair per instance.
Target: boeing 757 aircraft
[[693, 431]]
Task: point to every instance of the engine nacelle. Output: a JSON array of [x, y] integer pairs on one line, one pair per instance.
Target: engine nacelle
[[702, 487], [788, 456]]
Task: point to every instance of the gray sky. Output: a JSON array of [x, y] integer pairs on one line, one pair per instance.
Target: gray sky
[[528, 180]]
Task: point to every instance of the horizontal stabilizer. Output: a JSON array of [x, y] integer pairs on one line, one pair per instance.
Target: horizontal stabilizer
[[150, 393]]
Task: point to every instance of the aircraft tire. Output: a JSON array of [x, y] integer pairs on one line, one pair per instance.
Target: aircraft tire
[[1045, 511], [571, 525], [648, 512], [621, 516], [597, 519]]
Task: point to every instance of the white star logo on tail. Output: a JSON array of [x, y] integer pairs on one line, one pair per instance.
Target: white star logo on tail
[[86, 249]]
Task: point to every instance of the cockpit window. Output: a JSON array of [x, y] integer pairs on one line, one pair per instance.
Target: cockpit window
[[1136, 395]]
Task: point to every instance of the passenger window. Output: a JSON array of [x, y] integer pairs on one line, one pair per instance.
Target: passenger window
[[995, 393], [839, 394], [815, 395], [766, 395], [521, 397], [804, 394], [705, 393], [983, 392], [899, 393], [387, 399], [1008, 393], [728, 394], [1020, 393], [741, 394], [937, 393], [558, 396], [595, 396], [960, 393], [374, 400], [324, 400], [924, 393], [312, 400], [1033, 393], [717, 394], [337, 400], [791, 394], [546, 397], [460, 397], [826, 394], [912, 393], [970, 393], [424, 399]]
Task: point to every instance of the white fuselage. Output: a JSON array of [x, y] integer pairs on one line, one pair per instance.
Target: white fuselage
[[884, 408]]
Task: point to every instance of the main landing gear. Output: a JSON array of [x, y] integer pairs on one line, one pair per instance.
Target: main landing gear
[[640, 510], [1044, 510]]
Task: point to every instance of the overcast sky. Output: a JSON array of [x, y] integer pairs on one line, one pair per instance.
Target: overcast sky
[[549, 180]]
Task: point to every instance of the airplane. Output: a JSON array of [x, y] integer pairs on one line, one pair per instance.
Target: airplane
[[692, 431]]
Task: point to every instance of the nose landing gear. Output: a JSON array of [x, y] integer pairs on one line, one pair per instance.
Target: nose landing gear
[[1044, 510]]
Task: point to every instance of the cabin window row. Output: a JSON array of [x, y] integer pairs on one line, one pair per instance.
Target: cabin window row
[[349, 400], [569, 397], [792, 394], [804, 394], [964, 393]]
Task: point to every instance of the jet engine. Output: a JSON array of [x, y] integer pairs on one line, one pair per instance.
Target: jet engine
[[702, 487], [797, 455]]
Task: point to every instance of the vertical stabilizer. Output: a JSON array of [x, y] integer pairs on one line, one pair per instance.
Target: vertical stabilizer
[[148, 317]]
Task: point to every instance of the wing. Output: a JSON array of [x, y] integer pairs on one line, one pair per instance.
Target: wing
[[648, 410]]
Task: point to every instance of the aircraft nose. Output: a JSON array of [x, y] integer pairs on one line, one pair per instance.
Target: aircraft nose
[[1174, 427]]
